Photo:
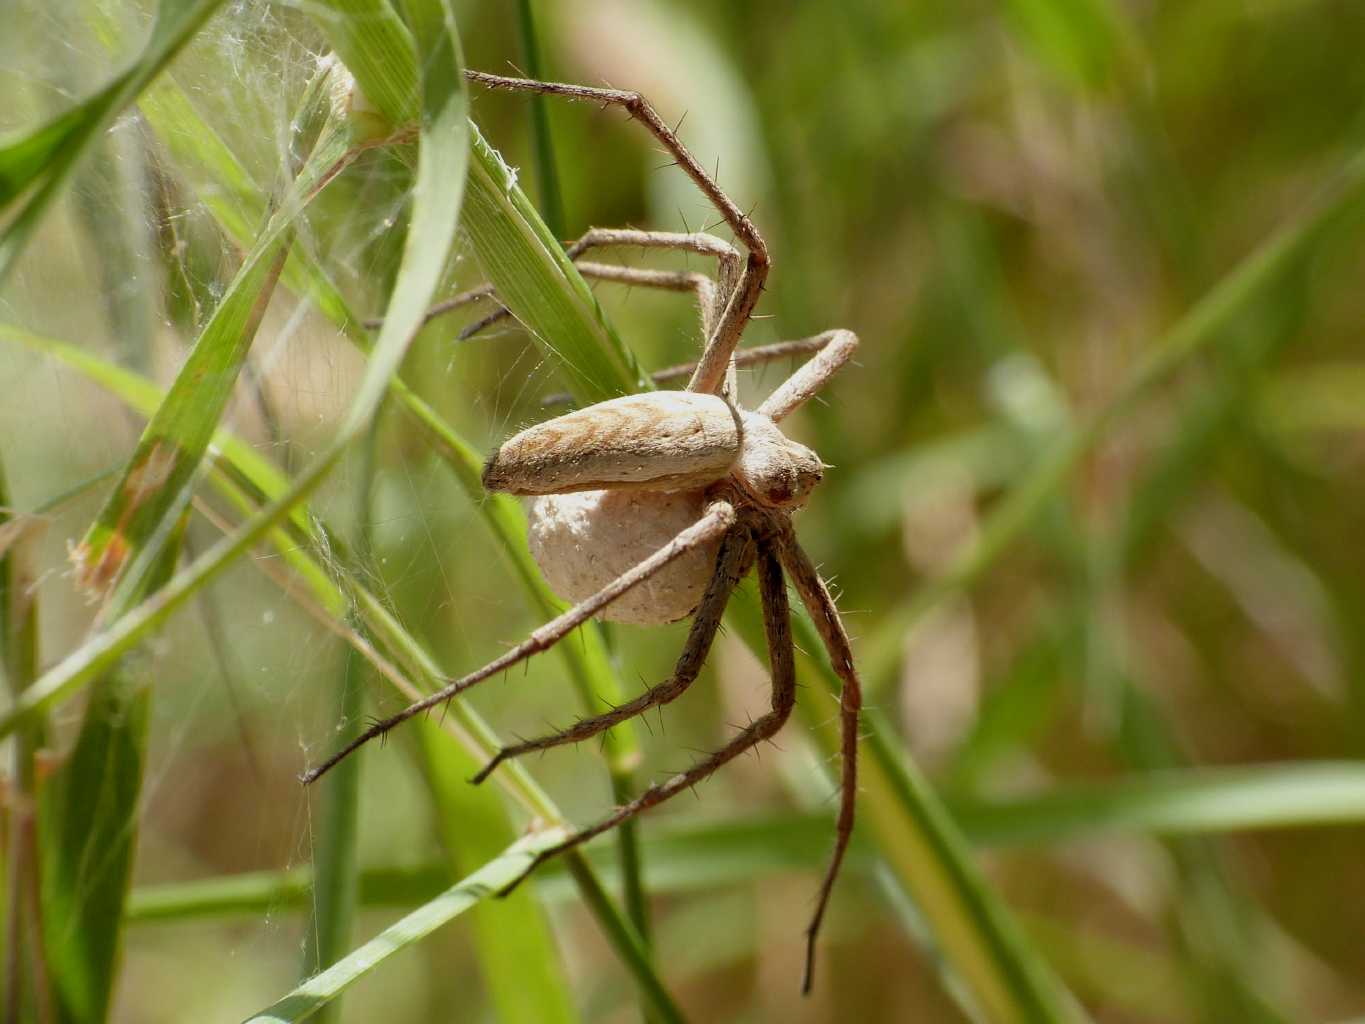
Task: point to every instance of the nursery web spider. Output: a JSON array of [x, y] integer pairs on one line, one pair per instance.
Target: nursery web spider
[[652, 507]]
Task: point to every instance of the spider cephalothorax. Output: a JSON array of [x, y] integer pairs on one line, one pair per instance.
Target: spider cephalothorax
[[650, 508]]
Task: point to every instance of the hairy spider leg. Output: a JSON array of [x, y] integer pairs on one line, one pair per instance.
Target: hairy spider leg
[[732, 563], [727, 256], [756, 356], [716, 522], [782, 667], [809, 378], [710, 375], [815, 596]]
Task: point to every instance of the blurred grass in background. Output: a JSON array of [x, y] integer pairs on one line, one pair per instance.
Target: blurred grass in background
[[1012, 204]]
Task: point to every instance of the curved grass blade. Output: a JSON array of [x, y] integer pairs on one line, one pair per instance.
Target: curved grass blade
[[173, 443], [443, 157], [321, 989], [377, 48], [687, 854], [479, 739], [521, 965], [547, 178], [39, 163]]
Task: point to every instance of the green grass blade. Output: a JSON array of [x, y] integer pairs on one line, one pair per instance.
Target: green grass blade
[[547, 177], [38, 165], [688, 854], [321, 989], [541, 286], [377, 48], [1175, 802], [516, 949], [435, 210], [25, 981], [171, 447]]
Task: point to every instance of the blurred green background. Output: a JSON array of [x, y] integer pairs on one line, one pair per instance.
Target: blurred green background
[[1010, 203]]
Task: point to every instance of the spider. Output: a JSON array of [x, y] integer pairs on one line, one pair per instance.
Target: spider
[[651, 507]]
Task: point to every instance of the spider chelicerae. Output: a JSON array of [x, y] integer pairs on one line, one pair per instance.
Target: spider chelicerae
[[650, 508]]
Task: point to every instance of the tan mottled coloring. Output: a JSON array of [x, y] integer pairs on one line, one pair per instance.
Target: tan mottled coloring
[[661, 441]]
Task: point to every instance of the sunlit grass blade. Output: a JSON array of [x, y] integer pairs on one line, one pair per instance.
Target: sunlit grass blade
[[34, 168], [512, 529], [687, 854], [319, 990], [327, 591], [435, 209], [520, 963], [547, 176], [541, 286], [377, 48], [1175, 802], [173, 443]]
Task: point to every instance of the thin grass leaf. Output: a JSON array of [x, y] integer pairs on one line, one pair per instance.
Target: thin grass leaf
[[435, 209], [547, 177], [1175, 802], [321, 989], [516, 949], [26, 983], [335, 846], [377, 48], [38, 164], [174, 441], [541, 286], [686, 854], [335, 851]]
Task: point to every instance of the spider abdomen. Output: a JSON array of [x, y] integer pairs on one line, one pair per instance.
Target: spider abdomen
[[585, 540], [660, 440]]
